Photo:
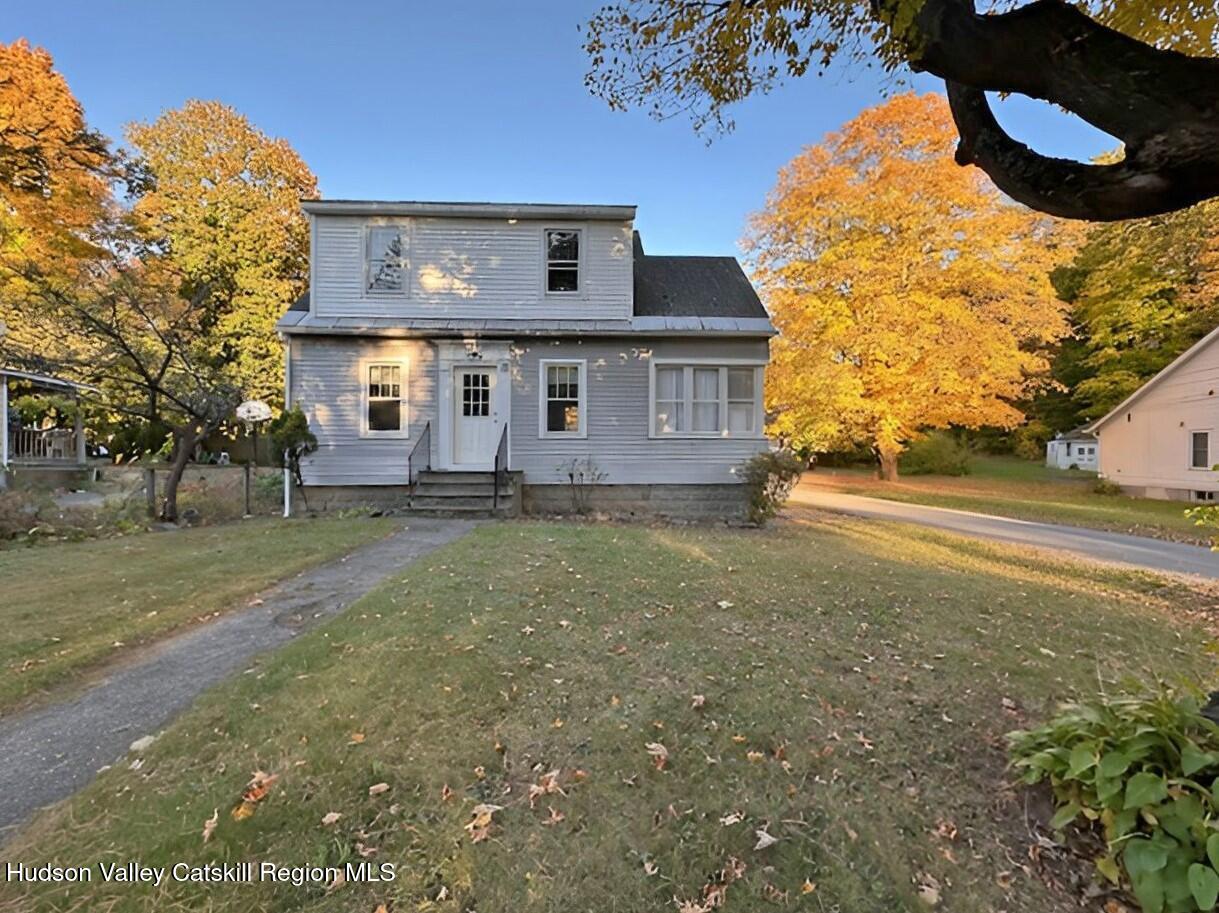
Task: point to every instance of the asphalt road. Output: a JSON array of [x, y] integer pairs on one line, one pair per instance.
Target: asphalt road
[[48, 753], [1111, 548]]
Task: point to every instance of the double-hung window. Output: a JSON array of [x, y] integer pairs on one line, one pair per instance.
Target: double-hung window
[[564, 398], [1199, 450], [385, 398], [385, 260], [707, 400], [562, 261]]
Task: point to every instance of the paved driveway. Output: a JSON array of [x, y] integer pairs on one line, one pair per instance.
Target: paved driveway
[[1112, 548], [50, 752]]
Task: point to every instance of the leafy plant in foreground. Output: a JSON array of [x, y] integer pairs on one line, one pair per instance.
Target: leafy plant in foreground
[[1144, 770], [769, 478]]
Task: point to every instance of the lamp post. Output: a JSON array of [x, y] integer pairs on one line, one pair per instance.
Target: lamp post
[[253, 412]]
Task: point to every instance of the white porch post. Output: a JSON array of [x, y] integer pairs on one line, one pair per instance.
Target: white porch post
[[79, 428], [3, 430]]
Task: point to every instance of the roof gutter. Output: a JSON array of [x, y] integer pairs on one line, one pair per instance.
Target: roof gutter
[[468, 210]]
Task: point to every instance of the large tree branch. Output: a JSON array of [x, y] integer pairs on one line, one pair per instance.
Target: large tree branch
[[1073, 190], [1163, 105]]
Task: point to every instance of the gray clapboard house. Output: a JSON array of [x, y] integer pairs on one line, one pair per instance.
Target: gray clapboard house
[[467, 355]]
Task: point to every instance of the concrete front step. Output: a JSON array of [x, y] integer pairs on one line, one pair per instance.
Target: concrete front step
[[461, 490], [429, 502], [444, 475]]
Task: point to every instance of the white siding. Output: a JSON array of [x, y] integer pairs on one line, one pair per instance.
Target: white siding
[[619, 415], [1147, 444], [326, 384], [473, 268]]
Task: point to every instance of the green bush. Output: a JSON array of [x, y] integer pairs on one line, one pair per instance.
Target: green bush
[[1105, 487], [938, 453], [769, 478], [1143, 770]]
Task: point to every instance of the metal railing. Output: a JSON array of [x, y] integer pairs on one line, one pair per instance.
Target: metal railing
[[501, 465], [49, 444], [417, 462]]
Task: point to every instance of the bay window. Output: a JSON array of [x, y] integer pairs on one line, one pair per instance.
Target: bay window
[[706, 400]]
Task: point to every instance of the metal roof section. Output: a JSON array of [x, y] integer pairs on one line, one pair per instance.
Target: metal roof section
[[596, 212], [46, 380]]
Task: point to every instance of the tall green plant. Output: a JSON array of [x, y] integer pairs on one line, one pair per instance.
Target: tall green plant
[[1144, 771], [293, 440]]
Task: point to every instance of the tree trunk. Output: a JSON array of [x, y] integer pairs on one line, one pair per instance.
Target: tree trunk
[[888, 464], [185, 441]]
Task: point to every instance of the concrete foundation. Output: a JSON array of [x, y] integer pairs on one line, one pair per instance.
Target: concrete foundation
[[681, 502]]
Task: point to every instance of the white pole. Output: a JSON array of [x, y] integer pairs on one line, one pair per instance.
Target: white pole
[[3, 430], [287, 405]]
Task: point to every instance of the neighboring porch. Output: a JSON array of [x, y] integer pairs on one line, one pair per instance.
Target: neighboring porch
[[46, 444]]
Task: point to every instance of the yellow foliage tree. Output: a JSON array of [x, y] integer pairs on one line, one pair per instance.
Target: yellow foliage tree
[[225, 207], [909, 294], [55, 173]]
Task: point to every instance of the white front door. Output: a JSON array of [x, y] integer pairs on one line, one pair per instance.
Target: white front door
[[475, 421]]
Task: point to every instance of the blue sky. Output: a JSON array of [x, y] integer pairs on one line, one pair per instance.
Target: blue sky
[[460, 100]]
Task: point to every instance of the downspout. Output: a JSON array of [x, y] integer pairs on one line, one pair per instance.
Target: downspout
[[287, 405]]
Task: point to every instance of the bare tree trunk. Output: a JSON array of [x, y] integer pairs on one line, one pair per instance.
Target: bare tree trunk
[[186, 438], [888, 464]]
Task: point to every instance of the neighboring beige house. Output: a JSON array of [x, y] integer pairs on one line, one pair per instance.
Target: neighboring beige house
[[1163, 440]]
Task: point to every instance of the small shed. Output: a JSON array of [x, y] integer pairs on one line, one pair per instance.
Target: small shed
[[45, 447], [1077, 449]]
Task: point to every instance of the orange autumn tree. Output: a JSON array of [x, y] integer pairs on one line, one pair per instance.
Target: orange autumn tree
[[909, 294]]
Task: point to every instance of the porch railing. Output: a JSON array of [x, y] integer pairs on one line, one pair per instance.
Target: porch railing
[[501, 465], [52, 445], [420, 459]]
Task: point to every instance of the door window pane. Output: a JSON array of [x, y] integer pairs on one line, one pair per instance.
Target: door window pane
[[475, 394]]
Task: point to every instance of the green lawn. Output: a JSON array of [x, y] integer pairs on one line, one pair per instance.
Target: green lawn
[[71, 607], [838, 686], [1011, 487]]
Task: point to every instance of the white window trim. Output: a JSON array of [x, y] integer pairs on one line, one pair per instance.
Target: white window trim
[[404, 432], [581, 271], [543, 400], [405, 233], [759, 418], [1210, 449]]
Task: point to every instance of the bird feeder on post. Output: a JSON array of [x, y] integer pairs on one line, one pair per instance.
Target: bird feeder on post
[[253, 412]]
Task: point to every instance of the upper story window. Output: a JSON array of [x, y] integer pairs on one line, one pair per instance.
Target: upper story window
[[562, 260], [706, 400], [1200, 450], [386, 260]]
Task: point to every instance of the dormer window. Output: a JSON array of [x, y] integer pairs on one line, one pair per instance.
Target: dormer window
[[386, 260], [562, 260]]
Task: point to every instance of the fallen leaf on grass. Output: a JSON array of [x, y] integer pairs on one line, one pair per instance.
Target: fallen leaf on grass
[[357, 738], [697, 701], [732, 818], [764, 839], [260, 784], [929, 890], [340, 879], [479, 825], [445, 793], [547, 785], [660, 755], [209, 826], [808, 887], [555, 816], [377, 788], [330, 818]]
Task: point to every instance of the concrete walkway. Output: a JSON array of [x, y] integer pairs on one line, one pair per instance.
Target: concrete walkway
[[50, 752], [1111, 548]]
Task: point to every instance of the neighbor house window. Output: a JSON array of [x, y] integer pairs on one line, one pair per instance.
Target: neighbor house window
[[386, 259], [562, 260], [385, 398], [707, 400], [1200, 450], [564, 395]]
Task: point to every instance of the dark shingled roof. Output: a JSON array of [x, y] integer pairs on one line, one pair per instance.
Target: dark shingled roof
[[692, 287]]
